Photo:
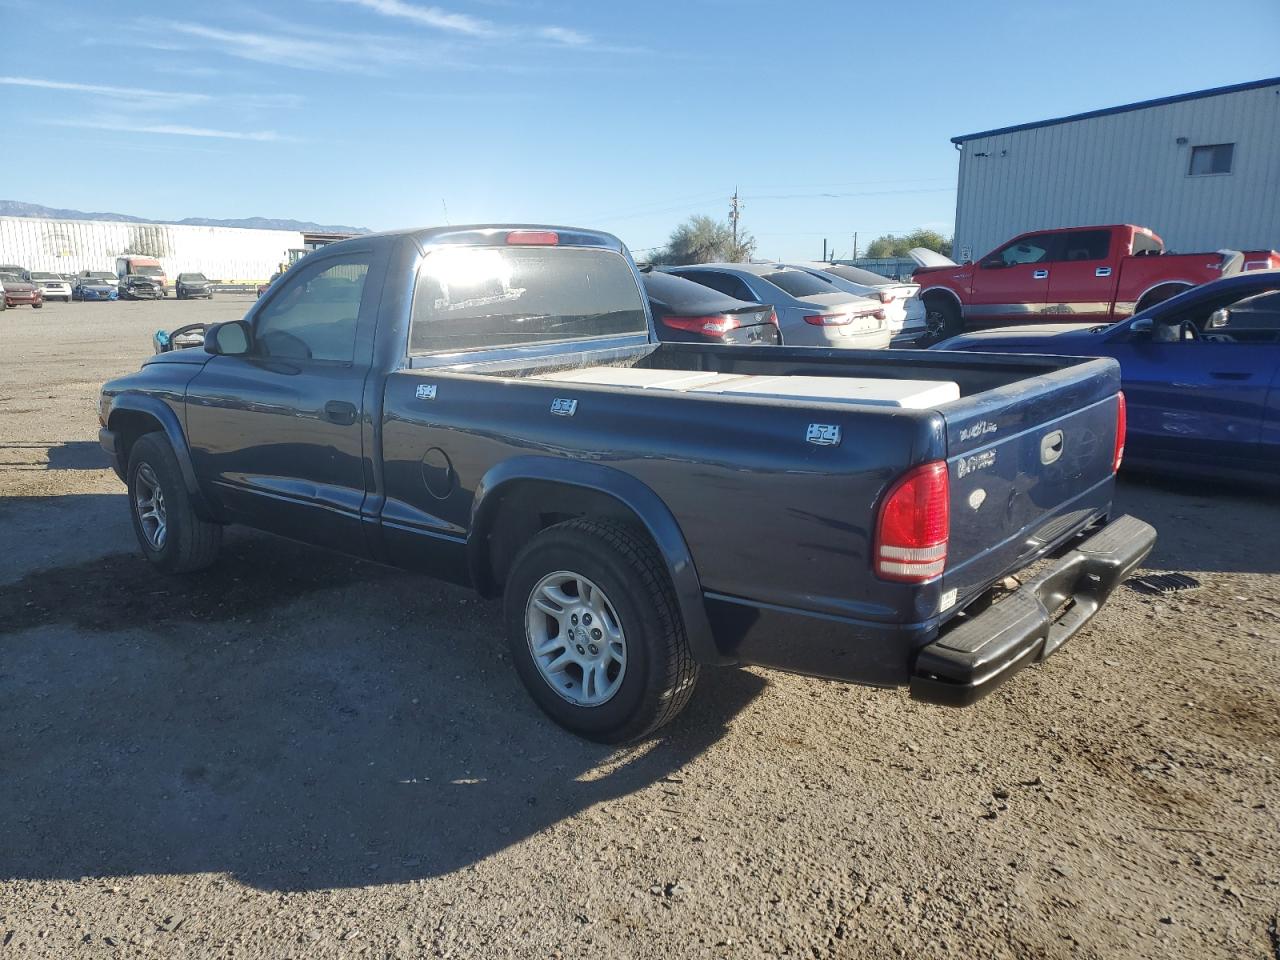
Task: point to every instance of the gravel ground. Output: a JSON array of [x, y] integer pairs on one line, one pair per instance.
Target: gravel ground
[[298, 755]]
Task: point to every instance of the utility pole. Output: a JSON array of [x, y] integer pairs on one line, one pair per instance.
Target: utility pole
[[734, 214], [855, 245], [824, 249]]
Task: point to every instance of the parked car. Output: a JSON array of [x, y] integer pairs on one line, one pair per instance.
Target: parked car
[[685, 311], [193, 286], [95, 285], [490, 405], [138, 287], [19, 292], [903, 308], [1080, 273], [1200, 374], [263, 287], [52, 286], [137, 266], [811, 311]]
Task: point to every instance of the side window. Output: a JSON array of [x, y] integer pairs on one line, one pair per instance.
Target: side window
[[1035, 249], [1085, 245], [313, 314]]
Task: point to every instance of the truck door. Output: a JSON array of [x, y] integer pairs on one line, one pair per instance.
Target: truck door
[[277, 435], [1082, 280], [1011, 285]]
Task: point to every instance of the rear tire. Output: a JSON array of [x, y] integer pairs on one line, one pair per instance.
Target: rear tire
[[172, 537], [36, 306], [1159, 295], [646, 671]]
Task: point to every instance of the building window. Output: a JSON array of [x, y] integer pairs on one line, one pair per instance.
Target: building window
[[1212, 158]]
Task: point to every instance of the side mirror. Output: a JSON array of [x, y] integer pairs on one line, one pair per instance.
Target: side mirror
[[1141, 329], [1218, 319], [230, 339]]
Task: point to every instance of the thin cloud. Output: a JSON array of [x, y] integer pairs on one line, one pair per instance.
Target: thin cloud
[[174, 130], [351, 53], [470, 26], [134, 94], [431, 17]]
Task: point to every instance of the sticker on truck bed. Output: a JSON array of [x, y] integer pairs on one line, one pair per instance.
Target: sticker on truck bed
[[979, 461]]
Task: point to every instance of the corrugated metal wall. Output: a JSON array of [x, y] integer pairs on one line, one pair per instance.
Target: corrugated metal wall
[[1129, 168], [220, 253]]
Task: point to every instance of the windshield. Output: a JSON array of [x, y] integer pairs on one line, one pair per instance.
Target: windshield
[[101, 276], [191, 277], [146, 270], [44, 276], [476, 297], [799, 284], [10, 277]]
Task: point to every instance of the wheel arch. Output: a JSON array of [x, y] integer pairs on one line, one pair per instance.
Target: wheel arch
[[941, 291], [520, 497], [1175, 287], [134, 415]]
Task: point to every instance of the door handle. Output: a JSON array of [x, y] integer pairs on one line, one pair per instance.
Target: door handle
[[1039, 274], [1229, 375], [340, 412], [1102, 272]]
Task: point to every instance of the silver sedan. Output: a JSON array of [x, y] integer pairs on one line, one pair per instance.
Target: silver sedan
[[811, 311]]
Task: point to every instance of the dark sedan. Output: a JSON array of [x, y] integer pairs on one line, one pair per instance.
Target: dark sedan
[[1200, 371], [689, 312], [193, 286]]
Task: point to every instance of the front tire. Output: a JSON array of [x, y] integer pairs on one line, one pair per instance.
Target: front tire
[[173, 538], [942, 319], [595, 632]]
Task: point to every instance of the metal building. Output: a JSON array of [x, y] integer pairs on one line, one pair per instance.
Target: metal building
[[1201, 169], [225, 254]]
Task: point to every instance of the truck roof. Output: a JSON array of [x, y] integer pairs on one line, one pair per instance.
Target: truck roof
[[489, 233]]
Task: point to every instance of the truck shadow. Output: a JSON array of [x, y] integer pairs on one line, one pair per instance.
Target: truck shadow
[[64, 455], [294, 718], [1209, 526]]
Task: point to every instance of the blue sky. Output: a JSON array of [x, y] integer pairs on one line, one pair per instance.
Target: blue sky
[[828, 117]]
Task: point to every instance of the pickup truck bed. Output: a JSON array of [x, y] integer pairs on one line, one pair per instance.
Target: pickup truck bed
[[838, 513]]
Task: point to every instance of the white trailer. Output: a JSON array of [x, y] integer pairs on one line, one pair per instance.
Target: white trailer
[[223, 254]]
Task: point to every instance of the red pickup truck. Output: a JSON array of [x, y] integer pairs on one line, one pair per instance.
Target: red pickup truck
[[1081, 273]]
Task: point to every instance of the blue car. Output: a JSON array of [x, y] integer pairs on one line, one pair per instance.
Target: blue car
[[95, 286], [1200, 372]]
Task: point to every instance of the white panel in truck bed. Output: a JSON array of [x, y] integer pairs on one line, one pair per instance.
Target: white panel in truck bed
[[915, 394]]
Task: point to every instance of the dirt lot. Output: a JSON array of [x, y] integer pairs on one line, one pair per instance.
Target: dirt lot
[[297, 755]]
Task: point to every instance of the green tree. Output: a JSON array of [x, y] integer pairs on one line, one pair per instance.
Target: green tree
[[897, 246], [703, 239]]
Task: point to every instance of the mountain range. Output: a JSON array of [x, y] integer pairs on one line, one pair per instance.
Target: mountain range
[[17, 208]]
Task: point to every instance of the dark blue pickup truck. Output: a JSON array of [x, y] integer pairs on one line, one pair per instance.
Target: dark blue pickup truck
[[489, 405]]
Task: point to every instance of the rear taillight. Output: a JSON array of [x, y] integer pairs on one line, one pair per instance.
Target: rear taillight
[[1122, 424], [544, 238], [886, 296], [773, 317], [829, 319], [913, 526], [716, 325]]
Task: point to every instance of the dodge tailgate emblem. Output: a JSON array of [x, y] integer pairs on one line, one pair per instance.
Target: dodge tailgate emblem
[[823, 434]]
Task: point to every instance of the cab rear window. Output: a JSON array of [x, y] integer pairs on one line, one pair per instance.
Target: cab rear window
[[470, 298]]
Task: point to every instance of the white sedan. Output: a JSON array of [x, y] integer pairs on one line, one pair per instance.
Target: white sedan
[[903, 307]]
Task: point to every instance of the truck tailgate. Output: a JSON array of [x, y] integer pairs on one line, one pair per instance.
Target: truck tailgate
[[1030, 465]]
